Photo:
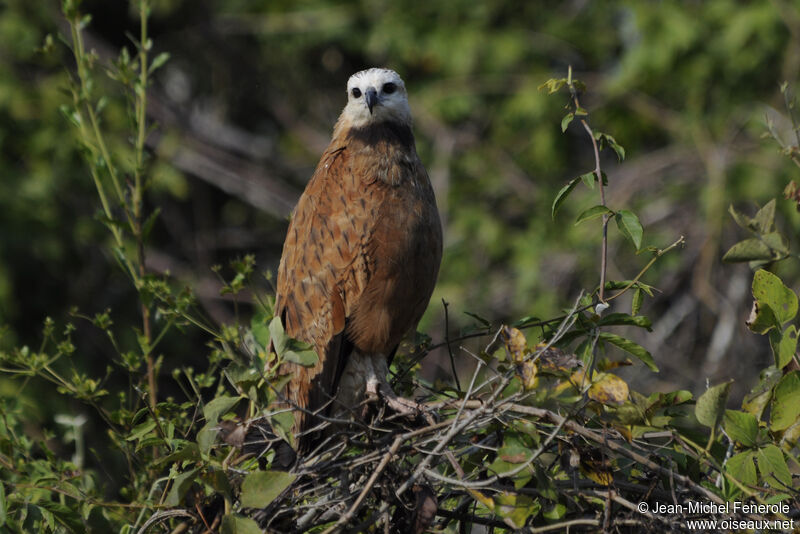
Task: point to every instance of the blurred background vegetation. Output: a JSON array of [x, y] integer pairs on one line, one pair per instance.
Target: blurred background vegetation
[[246, 104]]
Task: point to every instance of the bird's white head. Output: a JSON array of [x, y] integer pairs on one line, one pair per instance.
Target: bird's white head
[[376, 95]]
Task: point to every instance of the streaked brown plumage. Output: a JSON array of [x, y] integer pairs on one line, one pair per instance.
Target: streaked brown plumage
[[362, 251]]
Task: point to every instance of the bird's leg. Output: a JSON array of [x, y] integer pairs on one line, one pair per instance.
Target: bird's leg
[[373, 384], [401, 405]]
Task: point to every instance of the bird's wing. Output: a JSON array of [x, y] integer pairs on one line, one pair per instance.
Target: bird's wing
[[323, 271]]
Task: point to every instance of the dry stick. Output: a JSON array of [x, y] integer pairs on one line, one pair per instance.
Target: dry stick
[[371, 482], [161, 516], [423, 465], [612, 495], [469, 389], [309, 516], [384, 461], [487, 521], [455, 428], [594, 436], [607, 512], [510, 473], [480, 410]]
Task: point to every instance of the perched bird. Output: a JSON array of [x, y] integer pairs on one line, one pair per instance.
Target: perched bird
[[361, 255]]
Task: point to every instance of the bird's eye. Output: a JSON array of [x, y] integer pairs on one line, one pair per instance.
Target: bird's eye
[[389, 88], [356, 92]]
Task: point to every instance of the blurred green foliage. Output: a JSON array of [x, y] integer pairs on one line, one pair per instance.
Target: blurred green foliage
[[683, 85], [691, 78]]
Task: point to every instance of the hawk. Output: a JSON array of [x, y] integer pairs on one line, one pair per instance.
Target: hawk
[[361, 255]]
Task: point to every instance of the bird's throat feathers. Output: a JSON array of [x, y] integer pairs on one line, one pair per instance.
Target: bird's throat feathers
[[386, 133], [382, 151]]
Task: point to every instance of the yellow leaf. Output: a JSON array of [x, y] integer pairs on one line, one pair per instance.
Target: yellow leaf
[[625, 430], [609, 389], [481, 498], [596, 466], [528, 374], [515, 343], [601, 476]]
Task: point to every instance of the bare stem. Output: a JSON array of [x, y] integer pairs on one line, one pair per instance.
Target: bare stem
[[599, 177], [140, 100]]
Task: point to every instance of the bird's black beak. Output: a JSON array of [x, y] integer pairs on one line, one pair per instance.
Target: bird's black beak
[[372, 98]]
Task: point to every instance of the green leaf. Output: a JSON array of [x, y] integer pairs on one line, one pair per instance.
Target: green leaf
[[741, 427], [624, 319], [189, 451], [710, 407], [742, 467], [147, 227], [553, 85], [636, 301], [741, 219], [262, 487], [180, 485], [584, 352], [630, 347], [562, 195], [510, 455], [484, 322], [593, 213], [278, 336], [218, 479], [758, 398], [142, 430], [776, 242], [769, 290], [158, 62], [242, 376], [616, 147], [748, 250], [102, 102], [784, 345], [237, 524], [301, 353], [773, 468], [786, 402], [260, 329], [566, 120], [762, 319], [282, 423], [207, 436], [63, 513], [219, 406], [589, 178], [515, 508], [606, 139], [555, 513], [765, 218], [675, 398], [628, 223]]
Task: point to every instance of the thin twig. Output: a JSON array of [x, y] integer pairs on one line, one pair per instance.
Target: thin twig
[[599, 176], [449, 347], [368, 486]]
